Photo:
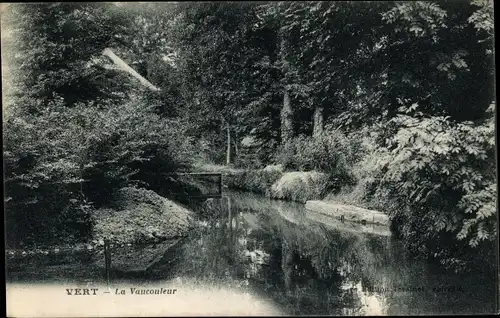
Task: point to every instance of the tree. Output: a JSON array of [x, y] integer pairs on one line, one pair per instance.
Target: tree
[[220, 58], [432, 109], [55, 49], [70, 138], [429, 60], [276, 17]]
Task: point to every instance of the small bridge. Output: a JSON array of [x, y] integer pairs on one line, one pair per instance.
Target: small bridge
[[202, 176]]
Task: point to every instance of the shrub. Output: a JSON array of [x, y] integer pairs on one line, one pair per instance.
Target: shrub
[[331, 152], [63, 161], [131, 144], [301, 186], [441, 176], [43, 174]]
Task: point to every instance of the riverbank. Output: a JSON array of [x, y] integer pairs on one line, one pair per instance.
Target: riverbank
[[140, 216], [358, 197], [134, 217], [309, 187], [139, 224], [275, 183], [272, 250]]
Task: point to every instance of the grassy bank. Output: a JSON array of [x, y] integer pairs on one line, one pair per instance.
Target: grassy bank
[[273, 182]]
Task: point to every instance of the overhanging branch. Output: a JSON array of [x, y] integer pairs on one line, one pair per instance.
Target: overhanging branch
[[124, 66]]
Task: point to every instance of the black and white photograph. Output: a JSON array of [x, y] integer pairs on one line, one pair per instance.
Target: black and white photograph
[[249, 158]]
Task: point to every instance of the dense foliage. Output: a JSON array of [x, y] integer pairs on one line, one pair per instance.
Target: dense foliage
[[66, 152], [441, 178], [331, 152], [391, 97]]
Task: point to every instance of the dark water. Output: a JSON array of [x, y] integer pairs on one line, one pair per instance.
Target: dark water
[[299, 262], [279, 252]]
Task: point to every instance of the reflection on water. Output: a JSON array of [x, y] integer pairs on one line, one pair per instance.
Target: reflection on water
[[295, 261], [272, 250]]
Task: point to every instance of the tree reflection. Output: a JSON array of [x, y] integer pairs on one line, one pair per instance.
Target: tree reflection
[[272, 250]]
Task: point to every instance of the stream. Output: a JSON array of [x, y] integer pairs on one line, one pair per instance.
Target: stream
[[282, 254]]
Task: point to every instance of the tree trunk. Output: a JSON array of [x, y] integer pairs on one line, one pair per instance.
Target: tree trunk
[[230, 223], [287, 110], [228, 156], [286, 119], [124, 66], [318, 121], [235, 142]]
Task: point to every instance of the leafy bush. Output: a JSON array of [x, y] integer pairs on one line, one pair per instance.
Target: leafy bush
[[133, 144], [43, 170], [301, 186], [331, 152], [441, 176], [274, 183], [66, 160]]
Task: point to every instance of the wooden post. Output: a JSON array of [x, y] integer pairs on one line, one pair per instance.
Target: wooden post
[[107, 260]]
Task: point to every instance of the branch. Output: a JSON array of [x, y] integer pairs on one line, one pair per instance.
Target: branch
[[119, 62]]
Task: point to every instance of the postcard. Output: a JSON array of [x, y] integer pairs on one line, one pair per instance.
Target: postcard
[[271, 158]]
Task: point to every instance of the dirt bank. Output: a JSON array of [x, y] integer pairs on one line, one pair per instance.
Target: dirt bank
[[140, 216]]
